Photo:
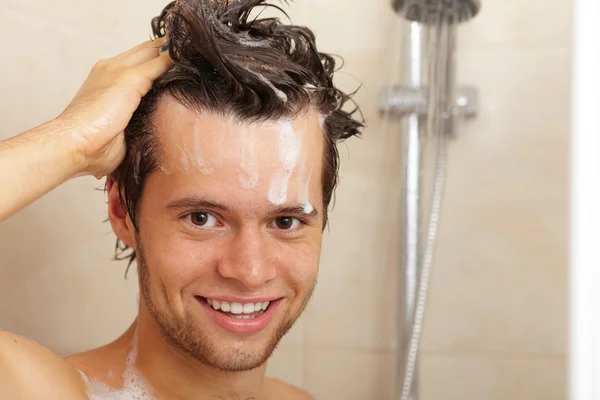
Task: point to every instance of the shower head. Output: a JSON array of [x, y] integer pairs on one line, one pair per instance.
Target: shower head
[[426, 11]]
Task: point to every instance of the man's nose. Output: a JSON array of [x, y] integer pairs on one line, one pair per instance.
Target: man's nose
[[248, 260]]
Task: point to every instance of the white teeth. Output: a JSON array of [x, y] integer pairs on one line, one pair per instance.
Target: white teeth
[[247, 316], [236, 308], [248, 308]]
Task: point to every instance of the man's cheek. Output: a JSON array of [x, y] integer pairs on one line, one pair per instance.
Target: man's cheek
[[305, 272], [188, 262]]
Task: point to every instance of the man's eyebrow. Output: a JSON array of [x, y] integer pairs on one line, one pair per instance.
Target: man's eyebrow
[[295, 210], [195, 202]]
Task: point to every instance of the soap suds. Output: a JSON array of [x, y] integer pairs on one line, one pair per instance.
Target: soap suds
[[183, 158], [322, 119], [289, 152], [303, 178], [250, 175], [253, 43], [278, 190], [135, 386], [308, 208], [282, 96], [201, 163], [304, 191]]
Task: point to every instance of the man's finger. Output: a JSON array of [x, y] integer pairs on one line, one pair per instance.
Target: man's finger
[[141, 56], [149, 44], [156, 67], [144, 74]]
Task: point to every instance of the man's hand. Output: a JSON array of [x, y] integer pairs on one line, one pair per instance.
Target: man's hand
[[103, 106], [87, 138]]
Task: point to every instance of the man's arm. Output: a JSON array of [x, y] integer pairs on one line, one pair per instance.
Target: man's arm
[[34, 163], [29, 371], [87, 138]]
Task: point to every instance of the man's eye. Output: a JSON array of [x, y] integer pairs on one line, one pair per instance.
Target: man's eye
[[287, 223], [203, 219]]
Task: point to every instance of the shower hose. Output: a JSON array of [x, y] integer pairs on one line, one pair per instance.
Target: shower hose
[[426, 266]]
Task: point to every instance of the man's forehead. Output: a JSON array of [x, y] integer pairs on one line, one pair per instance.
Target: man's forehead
[[174, 123], [275, 156], [276, 161]]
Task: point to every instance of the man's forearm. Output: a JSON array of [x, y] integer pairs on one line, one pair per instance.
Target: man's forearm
[[33, 163]]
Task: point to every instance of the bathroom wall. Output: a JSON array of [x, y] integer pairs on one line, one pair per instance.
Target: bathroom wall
[[496, 323]]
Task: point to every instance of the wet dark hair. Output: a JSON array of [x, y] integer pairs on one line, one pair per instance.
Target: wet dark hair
[[230, 64]]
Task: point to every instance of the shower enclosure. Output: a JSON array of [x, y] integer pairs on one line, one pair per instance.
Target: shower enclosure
[[430, 107]]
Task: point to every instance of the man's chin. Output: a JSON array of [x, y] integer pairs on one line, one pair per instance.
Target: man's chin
[[227, 351], [237, 357]]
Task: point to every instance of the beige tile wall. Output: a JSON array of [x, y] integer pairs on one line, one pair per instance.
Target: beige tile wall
[[496, 321]]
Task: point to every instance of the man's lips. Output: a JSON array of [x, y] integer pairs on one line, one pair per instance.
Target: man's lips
[[251, 316], [240, 306]]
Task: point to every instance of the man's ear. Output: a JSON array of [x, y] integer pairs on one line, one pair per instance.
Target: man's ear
[[119, 219]]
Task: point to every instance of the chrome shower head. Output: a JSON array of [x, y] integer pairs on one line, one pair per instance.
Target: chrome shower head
[[426, 11]]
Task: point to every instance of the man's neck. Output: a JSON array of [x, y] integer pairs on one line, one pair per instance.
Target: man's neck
[[173, 374]]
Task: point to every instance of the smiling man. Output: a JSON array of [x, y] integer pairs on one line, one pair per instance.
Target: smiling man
[[227, 241], [221, 199]]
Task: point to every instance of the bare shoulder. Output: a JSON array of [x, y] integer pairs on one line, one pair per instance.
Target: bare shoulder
[[279, 390], [30, 371]]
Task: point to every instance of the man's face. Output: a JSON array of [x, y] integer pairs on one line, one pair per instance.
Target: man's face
[[231, 220]]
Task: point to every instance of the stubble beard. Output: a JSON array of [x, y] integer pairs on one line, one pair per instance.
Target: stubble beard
[[209, 349]]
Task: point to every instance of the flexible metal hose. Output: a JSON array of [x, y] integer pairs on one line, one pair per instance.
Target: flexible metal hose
[[415, 338]]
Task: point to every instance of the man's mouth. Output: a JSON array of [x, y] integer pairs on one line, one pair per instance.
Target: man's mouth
[[238, 310]]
